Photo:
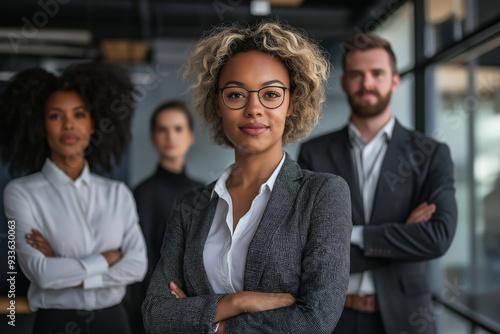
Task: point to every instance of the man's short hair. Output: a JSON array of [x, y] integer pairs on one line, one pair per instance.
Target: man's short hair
[[171, 105], [365, 42]]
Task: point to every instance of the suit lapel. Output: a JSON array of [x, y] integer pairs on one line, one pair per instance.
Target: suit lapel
[[387, 192], [341, 159], [201, 219], [280, 203]]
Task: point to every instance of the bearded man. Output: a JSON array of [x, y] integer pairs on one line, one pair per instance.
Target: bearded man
[[403, 198]]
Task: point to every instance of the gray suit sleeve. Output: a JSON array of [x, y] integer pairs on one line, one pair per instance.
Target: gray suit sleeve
[[162, 312], [426, 240], [324, 274]]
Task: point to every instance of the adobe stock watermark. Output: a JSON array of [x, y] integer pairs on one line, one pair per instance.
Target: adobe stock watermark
[[72, 327], [380, 18], [31, 26], [383, 15], [124, 105], [424, 147], [11, 272], [150, 82], [223, 6], [486, 87], [425, 316]]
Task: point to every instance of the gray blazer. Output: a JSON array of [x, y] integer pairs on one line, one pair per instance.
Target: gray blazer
[[301, 247]]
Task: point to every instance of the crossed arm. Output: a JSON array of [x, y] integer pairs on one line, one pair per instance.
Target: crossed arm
[[232, 305], [228, 306], [314, 308], [428, 231], [37, 241], [51, 271]]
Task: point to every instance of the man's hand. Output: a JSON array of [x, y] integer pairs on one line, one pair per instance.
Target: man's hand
[[421, 213]]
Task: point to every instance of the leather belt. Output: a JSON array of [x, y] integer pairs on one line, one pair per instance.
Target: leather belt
[[362, 303]]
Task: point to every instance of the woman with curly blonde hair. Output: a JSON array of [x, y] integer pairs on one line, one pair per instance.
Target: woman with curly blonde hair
[[265, 248]]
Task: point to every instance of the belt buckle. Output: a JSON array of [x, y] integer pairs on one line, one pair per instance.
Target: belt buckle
[[361, 303]]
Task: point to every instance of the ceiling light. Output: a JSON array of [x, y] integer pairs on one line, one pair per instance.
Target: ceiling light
[[260, 8]]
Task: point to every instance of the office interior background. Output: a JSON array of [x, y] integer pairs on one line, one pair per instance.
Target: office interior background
[[448, 55]]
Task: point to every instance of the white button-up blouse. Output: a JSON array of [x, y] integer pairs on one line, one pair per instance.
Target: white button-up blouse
[[225, 252], [80, 219]]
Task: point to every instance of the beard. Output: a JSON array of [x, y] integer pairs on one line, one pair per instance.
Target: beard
[[364, 110]]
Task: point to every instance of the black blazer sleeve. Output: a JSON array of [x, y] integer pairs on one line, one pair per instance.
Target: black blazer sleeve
[[426, 240], [304, 159]]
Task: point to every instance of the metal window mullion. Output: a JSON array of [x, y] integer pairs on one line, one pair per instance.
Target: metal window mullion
[[419, 69], [471, 180]]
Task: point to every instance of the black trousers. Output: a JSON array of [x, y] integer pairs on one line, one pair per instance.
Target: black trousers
[[355, 322], [111, 320]]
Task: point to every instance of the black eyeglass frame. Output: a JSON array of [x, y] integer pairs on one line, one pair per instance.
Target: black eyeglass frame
[[258, 95]]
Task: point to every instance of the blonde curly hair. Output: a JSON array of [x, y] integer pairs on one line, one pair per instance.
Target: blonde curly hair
[[307, 64]]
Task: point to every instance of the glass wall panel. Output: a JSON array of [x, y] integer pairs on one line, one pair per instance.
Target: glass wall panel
[[487, 10], [399, 31], [445, 21], [487, 181], [450, 323], [403, 102], [467, 118], [451, 127]]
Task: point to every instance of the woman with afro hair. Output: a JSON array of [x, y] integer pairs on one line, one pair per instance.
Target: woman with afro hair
[[265, 248], [79, 242]]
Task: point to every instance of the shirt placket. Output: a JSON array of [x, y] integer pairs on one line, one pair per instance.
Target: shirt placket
[[89, 294], [225, 257], [368, 166]]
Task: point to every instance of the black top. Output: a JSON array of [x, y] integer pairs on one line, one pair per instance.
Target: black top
[[155, 198]]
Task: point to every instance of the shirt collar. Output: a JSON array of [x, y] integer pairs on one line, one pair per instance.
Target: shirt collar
[[57, 177], [220, 186], [355, 135]]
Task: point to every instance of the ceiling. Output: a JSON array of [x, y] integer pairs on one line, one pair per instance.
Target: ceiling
[[76, 28]]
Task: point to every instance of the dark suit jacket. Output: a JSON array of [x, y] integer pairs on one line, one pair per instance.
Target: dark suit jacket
[[415, 169], [301, 247]]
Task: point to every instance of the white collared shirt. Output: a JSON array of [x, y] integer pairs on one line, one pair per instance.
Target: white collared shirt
[[80, 219], [225, 252], [368, 159]]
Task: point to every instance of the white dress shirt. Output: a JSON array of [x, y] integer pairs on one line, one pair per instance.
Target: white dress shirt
[[368, 159], [80, 220], [225, 252]]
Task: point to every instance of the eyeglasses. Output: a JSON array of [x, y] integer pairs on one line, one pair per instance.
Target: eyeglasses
[[271, 97]]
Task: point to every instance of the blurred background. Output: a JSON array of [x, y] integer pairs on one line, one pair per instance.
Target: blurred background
[[448, 54]]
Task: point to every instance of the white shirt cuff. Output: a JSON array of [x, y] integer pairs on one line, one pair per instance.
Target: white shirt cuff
[[95, 264], [93, 282], [215, 327], [357, 236]]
